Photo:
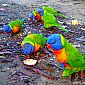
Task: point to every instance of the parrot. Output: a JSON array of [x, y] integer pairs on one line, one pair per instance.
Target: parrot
[[14, 26], [66, 54], [50, 21], [35, 16], [52, 11], [47, 18], [32, 17], [33, 43]]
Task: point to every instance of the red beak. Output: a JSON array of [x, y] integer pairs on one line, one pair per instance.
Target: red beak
[[48, 46], [4, 33], [31, 19]]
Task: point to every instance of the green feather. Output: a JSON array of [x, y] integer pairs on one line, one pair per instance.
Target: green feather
[[35, 12], [49, 9], [45, 38], [50, 20], [22, 21], [38, 38], [53, 11], [16, 22], [75, 58]]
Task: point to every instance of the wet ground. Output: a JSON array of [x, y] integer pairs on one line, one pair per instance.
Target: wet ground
[[47, 71]]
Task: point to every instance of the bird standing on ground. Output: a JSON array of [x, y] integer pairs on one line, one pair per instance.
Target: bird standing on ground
[[53, 11], [33, 43], [47, 18], [66, 54], [14, 26]]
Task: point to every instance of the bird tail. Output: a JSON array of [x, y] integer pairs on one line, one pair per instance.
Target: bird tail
[[61, 15], [45, 38], [65, 16], [66, 30], [60, 26], [22, 20]]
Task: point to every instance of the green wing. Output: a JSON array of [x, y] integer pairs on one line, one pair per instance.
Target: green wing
[[53, 11], [49, 9], [50, 20], [38, 38], [75, 58], [16, 22]]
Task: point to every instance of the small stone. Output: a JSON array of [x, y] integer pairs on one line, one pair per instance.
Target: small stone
[[75, 22]]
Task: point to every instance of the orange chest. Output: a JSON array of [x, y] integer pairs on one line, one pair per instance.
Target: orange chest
[[38, 17], [15, 29], [61, 55]]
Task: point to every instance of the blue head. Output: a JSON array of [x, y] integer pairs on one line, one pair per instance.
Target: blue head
[[31, 16], [27, 48], [41, 11], [7, 28], [55, 41]]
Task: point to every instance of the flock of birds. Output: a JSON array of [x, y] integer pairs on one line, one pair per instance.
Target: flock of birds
[[66, 54]]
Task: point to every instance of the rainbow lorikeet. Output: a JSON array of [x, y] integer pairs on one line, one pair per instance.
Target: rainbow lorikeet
[[48, 19], [66, 54], [53, 11], [14, 26], [38, 13], [35, 16], [33, 43]]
